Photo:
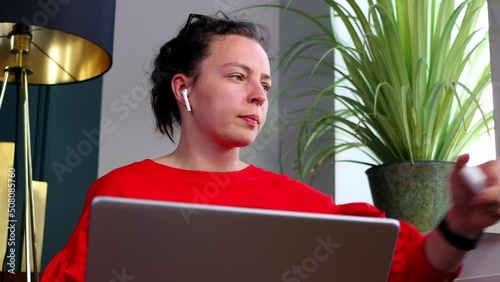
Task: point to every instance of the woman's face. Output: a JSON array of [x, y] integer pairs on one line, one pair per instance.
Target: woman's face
[[229, 98]]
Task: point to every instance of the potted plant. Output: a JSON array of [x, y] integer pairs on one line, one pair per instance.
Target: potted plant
[[409, 78]]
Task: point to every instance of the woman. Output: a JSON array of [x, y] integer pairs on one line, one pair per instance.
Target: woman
[[212, 80]]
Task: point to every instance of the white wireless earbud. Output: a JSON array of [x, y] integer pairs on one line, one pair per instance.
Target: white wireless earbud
[[184, 93]]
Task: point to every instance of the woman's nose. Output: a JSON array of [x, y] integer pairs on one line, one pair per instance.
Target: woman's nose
[[258, 95]]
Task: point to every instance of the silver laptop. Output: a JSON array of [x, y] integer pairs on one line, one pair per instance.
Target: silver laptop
[[140, 240]]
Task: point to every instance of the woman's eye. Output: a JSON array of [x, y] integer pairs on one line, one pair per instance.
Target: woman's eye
[[266, 87], [237, 76]]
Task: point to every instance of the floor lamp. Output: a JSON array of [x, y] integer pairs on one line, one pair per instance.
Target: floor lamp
[[47, 43]]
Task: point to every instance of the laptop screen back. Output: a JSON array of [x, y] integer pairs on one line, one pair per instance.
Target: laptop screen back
[[139, 240]]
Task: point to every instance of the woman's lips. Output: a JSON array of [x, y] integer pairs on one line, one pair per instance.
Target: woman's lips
[[252, 120]]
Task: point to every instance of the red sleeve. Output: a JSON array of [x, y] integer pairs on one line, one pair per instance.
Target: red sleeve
[[409, 263], [69, 265]]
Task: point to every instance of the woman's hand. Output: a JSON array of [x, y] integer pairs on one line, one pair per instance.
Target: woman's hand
[[471, 213]]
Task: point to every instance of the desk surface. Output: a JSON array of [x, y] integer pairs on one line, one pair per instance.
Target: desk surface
[[483, 261]]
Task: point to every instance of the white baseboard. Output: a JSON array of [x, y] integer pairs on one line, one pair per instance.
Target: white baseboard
[[494, 229]]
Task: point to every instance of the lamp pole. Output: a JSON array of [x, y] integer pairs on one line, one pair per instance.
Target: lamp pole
[[20, 41]]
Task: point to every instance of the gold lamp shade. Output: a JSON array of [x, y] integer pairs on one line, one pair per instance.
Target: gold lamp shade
[[56, 57], [66, 41]]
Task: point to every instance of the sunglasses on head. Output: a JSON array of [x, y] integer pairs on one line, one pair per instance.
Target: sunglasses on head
[[192, 17]]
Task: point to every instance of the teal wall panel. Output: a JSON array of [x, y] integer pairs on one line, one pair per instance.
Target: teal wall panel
[[71, 158]]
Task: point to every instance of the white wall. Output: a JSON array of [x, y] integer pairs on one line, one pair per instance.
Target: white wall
[[141, 27]]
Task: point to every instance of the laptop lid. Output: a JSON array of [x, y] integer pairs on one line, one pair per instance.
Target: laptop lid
[[143, 240]]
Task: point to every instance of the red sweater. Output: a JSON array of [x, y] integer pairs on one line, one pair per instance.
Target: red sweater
[[251, 187]]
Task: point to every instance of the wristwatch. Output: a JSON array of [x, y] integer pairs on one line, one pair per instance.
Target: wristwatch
[[458, 240]]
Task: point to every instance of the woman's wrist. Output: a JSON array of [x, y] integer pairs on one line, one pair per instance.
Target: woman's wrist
[[441, 254], [457, 240], [458, 223], [447, 245]]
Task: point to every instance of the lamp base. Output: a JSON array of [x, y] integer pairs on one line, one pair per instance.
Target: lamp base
[[16, 277]]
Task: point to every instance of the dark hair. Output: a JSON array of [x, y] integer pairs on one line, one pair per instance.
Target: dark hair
[[185, 53]]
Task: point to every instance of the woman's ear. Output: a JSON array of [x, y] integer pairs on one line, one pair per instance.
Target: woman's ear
[[180, 87]]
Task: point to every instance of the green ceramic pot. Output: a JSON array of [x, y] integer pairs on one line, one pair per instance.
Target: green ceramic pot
[[417, 193]]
